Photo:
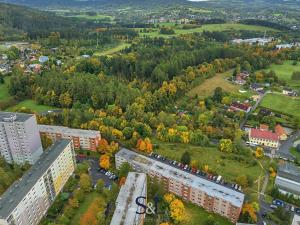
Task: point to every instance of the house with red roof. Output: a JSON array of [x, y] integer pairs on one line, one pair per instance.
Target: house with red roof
[[263, 137], [279, 130], [236, 106]]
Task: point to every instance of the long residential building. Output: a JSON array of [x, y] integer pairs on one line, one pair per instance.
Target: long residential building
[[26, 201], [288, 179], [20, 141], [210, 195], [82, 139], [126, 207]]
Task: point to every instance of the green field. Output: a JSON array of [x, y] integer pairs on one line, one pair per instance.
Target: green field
[[88, 17], [210, 27], [30, 104], [83, 207], [112, 50], [4, 95], [282, 104], [285, 71]]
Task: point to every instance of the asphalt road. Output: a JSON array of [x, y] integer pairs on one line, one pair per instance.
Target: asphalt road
[[284, 149]]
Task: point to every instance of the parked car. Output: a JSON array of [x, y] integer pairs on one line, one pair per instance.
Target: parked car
[[297, 211], [278, 202], [273, 206]]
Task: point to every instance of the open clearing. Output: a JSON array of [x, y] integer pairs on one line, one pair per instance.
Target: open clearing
[[30, 104], [210, 27], [112, 50], [285, 71], [209, 85], [282, 104]]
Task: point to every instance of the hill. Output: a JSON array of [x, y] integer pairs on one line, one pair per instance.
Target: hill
[[17, 22]]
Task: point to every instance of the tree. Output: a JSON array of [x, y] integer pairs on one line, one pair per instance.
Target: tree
[[122, 181], [259, 152], [169, 197], [73, 202], [85, 182], [186, 158], [226, 145], [65, 100], [46, 141], [242, 180], [104, 161], [250, 210], [124, 169], [218, 94], [103, 145], [177, 210], [100, 185]]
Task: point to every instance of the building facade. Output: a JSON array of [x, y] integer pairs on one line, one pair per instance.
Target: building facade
[[263, 137], [210, 195], [126, 207], [26, 201], [288, 180], [19, 138], [82, 139]]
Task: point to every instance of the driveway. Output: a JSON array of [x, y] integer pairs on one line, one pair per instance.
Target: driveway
[[284, 149]]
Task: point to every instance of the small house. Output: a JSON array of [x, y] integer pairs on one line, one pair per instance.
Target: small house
[[279, 130]]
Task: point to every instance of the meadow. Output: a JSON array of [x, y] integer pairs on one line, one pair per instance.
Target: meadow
[[209, 85], [209, 27], [112, 50], [30, 104], [282, 104], [285, 71]]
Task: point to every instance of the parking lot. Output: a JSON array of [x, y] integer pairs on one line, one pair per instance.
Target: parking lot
[[95, 172]]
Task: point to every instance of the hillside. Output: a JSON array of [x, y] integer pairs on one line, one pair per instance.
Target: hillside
[[16, 22]]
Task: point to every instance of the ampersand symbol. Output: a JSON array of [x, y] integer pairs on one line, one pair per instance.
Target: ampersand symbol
[[150, 208]]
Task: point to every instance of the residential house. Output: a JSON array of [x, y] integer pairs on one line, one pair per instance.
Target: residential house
[[279, 130], [289, 92], [236, 106]]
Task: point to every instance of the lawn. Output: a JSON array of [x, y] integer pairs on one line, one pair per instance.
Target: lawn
[[295, 153], [211, 27], [94, 17], [30, 104], [222, 163], [285, 71], [84, 206], [112, 50], [196, 215], [282, 104], [209, 85], [4, 95]]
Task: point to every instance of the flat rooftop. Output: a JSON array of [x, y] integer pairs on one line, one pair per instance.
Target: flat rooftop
[[18, 190], [125, 212], [14, 117], [289, 171], [216, 190], [68, 131]]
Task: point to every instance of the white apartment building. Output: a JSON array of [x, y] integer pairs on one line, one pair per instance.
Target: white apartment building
[[82, 139], [19, 138], [27, 200], [126, 207], [213, 196]]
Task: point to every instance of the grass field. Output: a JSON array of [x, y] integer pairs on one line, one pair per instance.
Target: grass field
[[88, 17], [282, 104], [30, 104], [295, 153], [208, 86], [4, 95], [112, 50], [285, 71], [196, 215], [210, 27], [83, 207]]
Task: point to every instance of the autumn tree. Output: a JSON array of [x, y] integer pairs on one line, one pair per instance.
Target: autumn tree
[[249, 209], [46, 141], [259, 152], [85, 182], [226, 145], [242, 180], [177, 210], [104, 161]]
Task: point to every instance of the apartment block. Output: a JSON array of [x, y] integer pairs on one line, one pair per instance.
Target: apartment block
[[82, 139], [212, 196], [27, 200], [20, 141], [126, 207], [288, 180]]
